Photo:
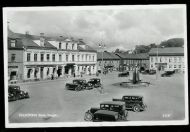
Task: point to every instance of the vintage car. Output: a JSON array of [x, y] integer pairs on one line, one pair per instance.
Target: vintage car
[[78, 85], [152, 72], [145, 72], [108, 111], [15, 93], [11, 97], [95, 82], [167, 74], [134, 103], [123, 74]]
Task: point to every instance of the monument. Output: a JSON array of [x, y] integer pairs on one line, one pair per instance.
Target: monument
[[135, 81]]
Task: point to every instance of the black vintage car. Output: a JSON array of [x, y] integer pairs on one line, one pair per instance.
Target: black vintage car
[[134, 103], [167, 74], [78, 85], [95, 82], [152, 72], [123, 74], [15, 93], [108, 111]]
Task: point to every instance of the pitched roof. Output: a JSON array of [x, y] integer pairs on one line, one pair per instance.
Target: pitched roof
[[167, 51], [107, 56], [23, 40], [133, 56]]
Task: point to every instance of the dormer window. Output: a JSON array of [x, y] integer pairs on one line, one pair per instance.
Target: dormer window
[[66, 45], [60, 45], [13, 43]]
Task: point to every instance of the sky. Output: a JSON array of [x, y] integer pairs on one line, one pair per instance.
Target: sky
[[116, 28]]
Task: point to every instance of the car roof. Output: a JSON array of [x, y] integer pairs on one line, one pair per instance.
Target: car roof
[[137, 96], [78, 79], [113, 102], [95, 78], [14, 86]]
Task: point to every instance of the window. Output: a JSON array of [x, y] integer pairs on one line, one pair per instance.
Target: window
[[13, 43], [174, 66], [160, 59], [66, 45], [175, 59], [86, 57], [47, 57], [170, 60], [92, 58], [67, 57], [35, 57], [170, 66], [179, 66], [151, 66], [152, 59], [13, 56], [60, 45], [42, 57], [78, 57], [82, 57], [53, 57], [73, 58], [28, 56], [72, 46], [60, 57]]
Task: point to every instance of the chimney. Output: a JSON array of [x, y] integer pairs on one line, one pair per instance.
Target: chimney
[[42, 39]]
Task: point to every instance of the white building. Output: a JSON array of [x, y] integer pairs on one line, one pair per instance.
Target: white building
[[167, 59], [38, 57]]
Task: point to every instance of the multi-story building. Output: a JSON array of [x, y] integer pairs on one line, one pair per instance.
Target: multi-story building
[[108, 60], [130, 61], [167, 59], [38, 57]]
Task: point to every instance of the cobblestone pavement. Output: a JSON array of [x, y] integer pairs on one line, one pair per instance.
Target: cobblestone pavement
[[50, 102]]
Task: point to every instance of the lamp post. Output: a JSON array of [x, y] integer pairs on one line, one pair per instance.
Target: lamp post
[[101, 46], [157, 63]]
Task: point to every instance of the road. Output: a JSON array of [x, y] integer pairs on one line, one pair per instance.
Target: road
[[50, 102]]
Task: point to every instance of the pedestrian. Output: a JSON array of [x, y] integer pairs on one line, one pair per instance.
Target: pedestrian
[[52, 77], [74, 75]]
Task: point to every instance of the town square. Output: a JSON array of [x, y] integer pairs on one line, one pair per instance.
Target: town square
[[70, 66]]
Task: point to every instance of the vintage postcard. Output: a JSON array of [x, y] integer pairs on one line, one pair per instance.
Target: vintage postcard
[[76, 66]]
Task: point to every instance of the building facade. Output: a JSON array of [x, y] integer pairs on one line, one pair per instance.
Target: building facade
[[130, 61], [108, 60], [167, 59], [38, 57]]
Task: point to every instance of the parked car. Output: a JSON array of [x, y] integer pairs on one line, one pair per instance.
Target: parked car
[[15, 93], [108, 111], [145, 72], [167, 74], [152, 72], [134, 103], [95, 82], [11, 97], [123, 74], [78, 85]]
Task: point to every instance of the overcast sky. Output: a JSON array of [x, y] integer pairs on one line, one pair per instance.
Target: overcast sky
[[117, 28]]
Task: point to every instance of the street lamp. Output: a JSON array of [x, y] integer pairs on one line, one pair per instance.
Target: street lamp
[[101, 46], [157, 63]]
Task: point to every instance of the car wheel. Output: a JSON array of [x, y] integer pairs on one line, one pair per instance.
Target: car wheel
[[88, 116], [78, 88], [136, 108]]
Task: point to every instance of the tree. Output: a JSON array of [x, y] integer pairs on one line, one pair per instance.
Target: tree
[[174, 42]]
